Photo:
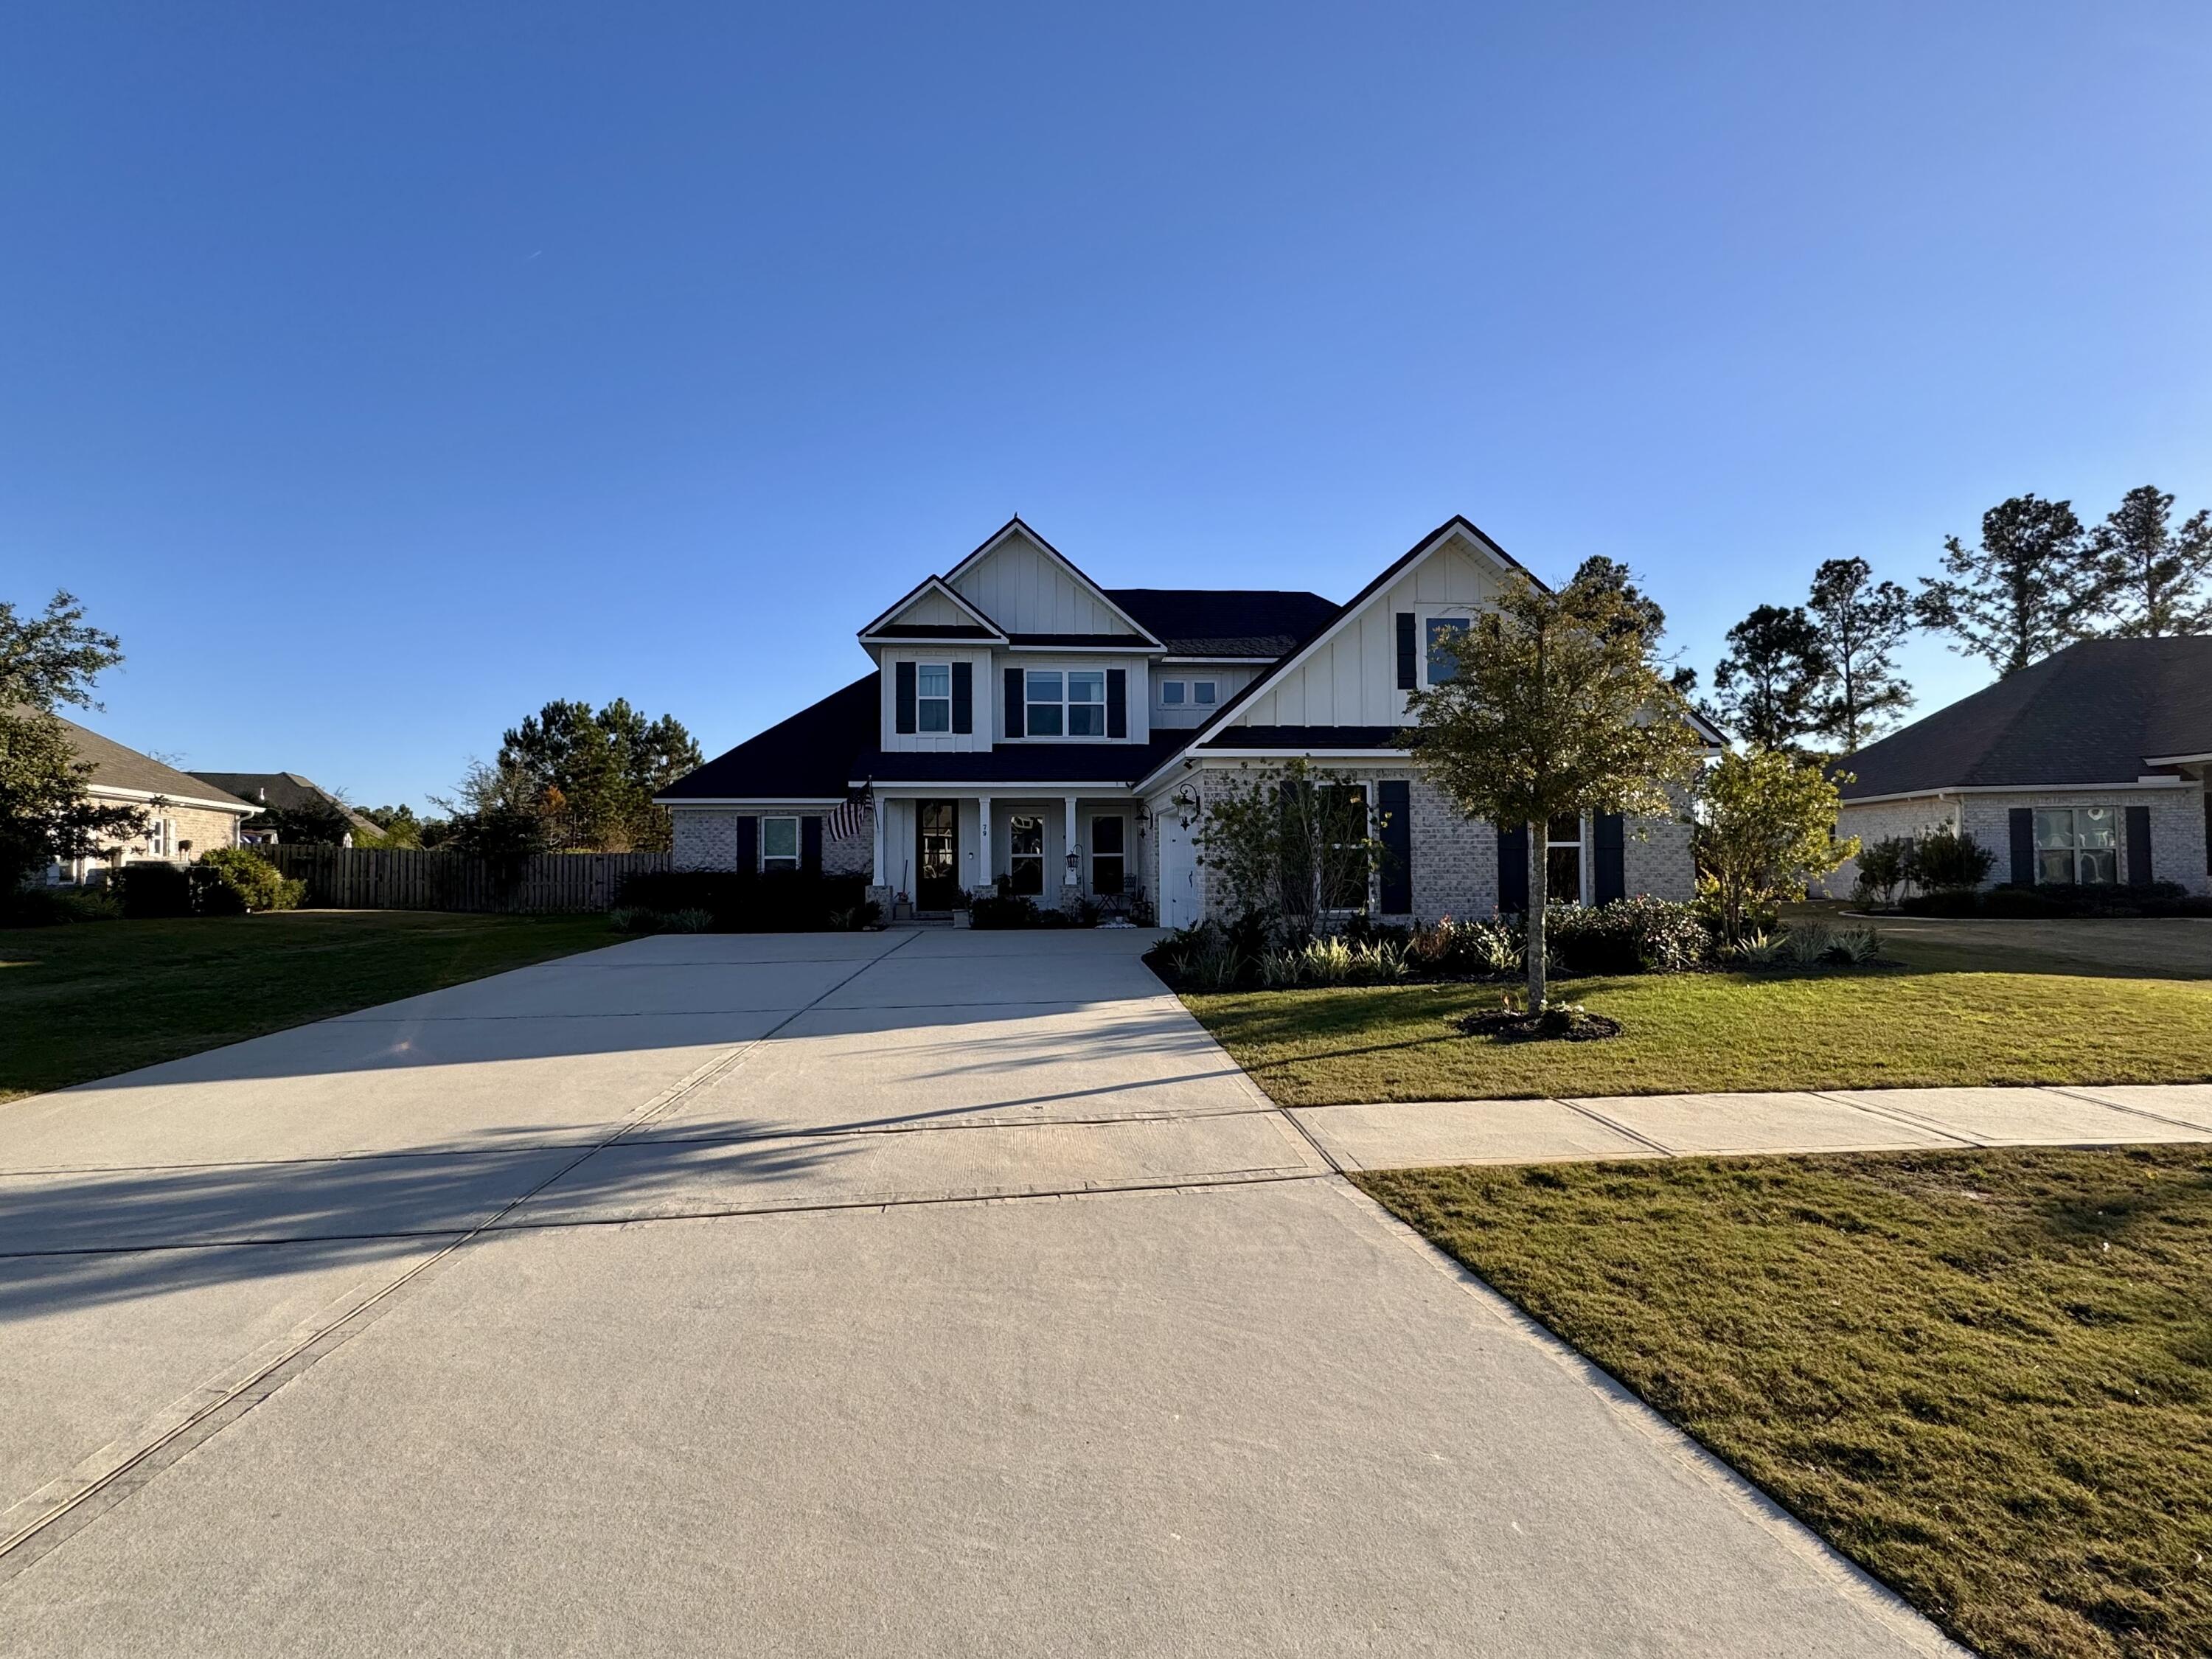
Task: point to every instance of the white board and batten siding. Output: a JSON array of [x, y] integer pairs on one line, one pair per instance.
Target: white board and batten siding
[[1024, 590], [933, 609], [1351, 680]]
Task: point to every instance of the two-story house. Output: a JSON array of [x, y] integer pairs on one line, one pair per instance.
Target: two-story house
[[1022, 721]]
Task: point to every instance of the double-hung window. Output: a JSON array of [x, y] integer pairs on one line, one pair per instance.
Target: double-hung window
[[932, 696], [1563, 859], [779, 843], [2078, 845], [1070, 703]]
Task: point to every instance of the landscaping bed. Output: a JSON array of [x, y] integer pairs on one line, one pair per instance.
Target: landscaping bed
[[1985, 1376], [91, 1000]]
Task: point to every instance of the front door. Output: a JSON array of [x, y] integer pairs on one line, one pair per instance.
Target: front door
[[1178, 874], [937, 854]]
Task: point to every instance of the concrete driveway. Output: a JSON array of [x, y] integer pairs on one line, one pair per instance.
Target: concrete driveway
[[906, 1292]]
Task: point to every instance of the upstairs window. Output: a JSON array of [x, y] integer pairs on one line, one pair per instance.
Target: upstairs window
[[2078, 845], [932, 696], [1201, 693], [1178, 693], [1067, 704], [1443, 633], [1172, 694]]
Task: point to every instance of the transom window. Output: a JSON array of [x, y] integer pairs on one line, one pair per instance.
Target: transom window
[[1443, 633], [932, 696], [2078, 845], [1562, 860], [1067, 704], [1106, 853], [779, 843], [1177, 694]]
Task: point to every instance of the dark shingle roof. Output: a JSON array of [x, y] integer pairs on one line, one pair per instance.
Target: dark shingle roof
[[2094, 713], [114, 766], [1305, 736], [1023, 763], [285, 790], [806, 757], [1197, 622]]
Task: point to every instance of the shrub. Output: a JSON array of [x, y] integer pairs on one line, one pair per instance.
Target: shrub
[[1944, 860], [1641, 935], [153, 890], [745, 901], [1806, 944], [232, 880], [1468, 949], [50, 906], [1881, 870], [1854, 945], [1005, 909], [634, 919]]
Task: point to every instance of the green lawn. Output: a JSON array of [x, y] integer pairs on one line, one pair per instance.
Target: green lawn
[[1942, 1017], [94, 999], [1985, 1376]]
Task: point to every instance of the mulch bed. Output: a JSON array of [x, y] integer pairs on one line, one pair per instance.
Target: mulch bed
[[1552, 1025]]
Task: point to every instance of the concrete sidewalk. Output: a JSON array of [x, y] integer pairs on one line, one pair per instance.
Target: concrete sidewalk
[[1412, 1134]]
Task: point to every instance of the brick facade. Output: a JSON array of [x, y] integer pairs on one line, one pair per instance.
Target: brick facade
[[2177, 827], [705, 837]]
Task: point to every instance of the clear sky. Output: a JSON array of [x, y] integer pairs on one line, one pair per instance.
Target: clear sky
[[379, 372]]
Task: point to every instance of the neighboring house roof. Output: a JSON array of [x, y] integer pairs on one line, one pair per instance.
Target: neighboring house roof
[[127, 772], [1196, 621], [2101, 711], [285, 792], [806, 757]]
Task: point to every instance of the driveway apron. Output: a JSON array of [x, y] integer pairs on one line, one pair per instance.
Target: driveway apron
[[941, 1292]]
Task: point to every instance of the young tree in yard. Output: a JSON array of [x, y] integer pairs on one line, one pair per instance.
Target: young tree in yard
[[45, 811], [1561, 706], [1766, 827], [1291, 844], [2154, 571], [1769, 684], [497, 814], [2029, 587], [399, 826], [1861, 622]]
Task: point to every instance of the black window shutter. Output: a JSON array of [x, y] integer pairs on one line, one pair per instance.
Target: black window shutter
[[749, 844], [963, 697], [1513, 868], [1612, 857], [810, 845], [1017, 718], [2138, 845], [902, 674], [2021, 823], [1408, 652], [1117, 702], [1297, 871], [1396, 798]]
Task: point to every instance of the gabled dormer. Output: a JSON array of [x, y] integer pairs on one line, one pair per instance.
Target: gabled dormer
[[1041, 598], [933, 612]]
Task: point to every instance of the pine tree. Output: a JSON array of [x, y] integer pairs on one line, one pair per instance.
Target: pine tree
[[1861, 622], [2155, 575], [1768, 686], [2031, 587]]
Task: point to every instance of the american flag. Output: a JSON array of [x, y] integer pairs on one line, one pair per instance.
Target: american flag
[[845, 823]]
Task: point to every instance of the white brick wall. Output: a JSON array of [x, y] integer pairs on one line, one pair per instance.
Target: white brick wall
[[706, 838], [2177, 827]]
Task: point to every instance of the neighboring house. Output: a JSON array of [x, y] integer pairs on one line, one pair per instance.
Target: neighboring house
[[1024, 722], [2090, 766], [186, 817], [287, 792]]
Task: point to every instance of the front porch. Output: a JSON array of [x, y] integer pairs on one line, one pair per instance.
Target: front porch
[[939, 848]]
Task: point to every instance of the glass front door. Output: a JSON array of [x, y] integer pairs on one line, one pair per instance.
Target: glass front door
[[1026, 854], [937, 854]]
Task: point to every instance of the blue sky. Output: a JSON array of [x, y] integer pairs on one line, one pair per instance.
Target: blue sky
[[379, 372]]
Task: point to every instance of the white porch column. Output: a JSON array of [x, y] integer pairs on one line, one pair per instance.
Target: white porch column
[[1072, 866], [982, 840], [875, 817]]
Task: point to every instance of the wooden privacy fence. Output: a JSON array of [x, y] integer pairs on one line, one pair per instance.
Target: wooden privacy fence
[[364, 878]]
